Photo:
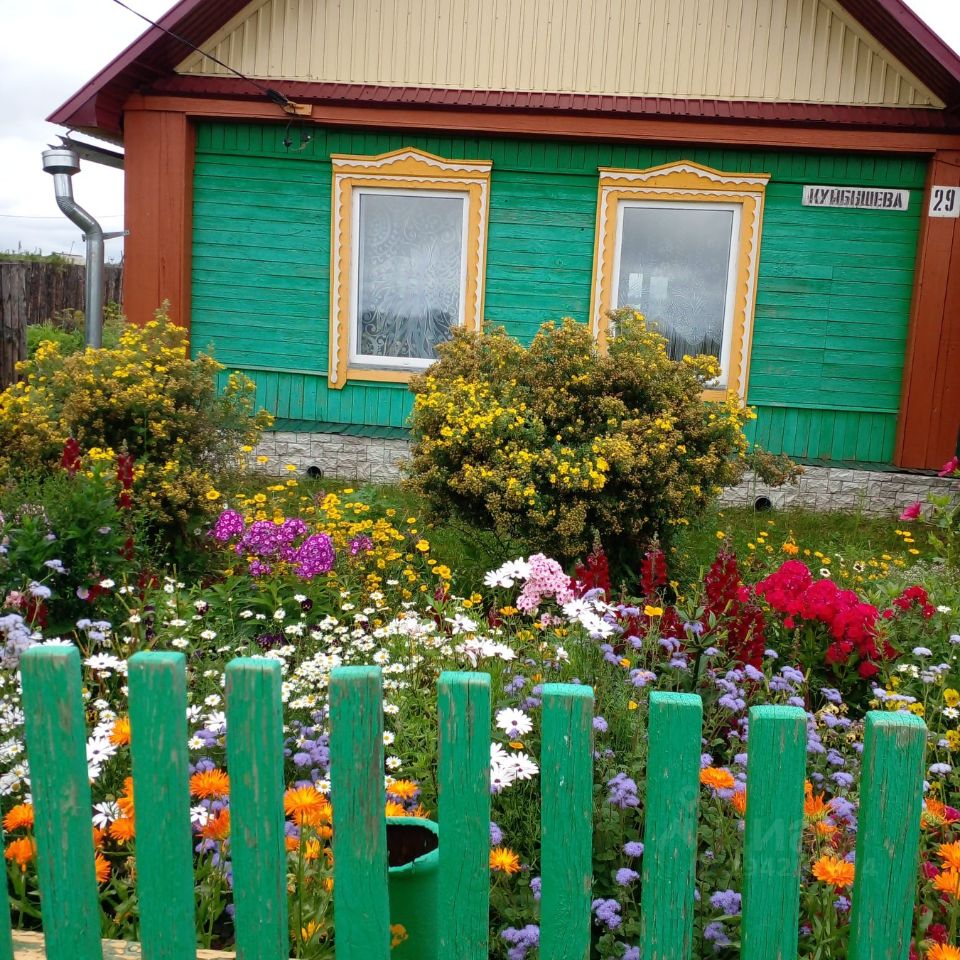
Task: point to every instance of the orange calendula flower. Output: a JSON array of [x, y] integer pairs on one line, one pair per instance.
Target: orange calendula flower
[[948, 882], [306, 806], [398, 933], [504, 860], [210, 784], [102, 868], [125, 800], [405, 789], [739, 802], [937, 814], [394, 809], [815, 807], [949, 853], [120, 734], [943, 951], [835, 871], [20, 816], [218, 827], [122, 830], [21, 851], [99, 835], [717, 778]]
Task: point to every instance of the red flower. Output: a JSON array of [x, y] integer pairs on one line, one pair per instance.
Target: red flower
[[912, 511], [70, 460], [653, 572], [593, 574], [950, 467]]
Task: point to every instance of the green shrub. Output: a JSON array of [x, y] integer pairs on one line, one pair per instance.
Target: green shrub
[[558, 444], [145, 398], [67, 341]]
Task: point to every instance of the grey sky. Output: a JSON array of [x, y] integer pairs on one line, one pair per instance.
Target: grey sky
[[50, 48]]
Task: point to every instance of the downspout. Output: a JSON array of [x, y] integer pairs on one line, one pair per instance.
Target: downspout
[[63, 164]]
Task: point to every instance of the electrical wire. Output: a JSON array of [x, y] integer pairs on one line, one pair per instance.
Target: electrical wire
[[275, 96]]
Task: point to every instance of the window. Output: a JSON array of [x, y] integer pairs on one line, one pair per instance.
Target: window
[[680, 244], [407, 261]]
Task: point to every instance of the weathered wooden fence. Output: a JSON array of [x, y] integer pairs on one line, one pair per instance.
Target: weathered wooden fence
[[886, 855], [32, 291]]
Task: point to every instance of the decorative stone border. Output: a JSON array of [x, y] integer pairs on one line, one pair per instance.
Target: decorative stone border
[[343, 457]]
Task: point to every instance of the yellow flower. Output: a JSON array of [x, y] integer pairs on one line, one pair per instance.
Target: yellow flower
[[951, 697], [213, 494], [422, 545], [649, 611], [504, 860]]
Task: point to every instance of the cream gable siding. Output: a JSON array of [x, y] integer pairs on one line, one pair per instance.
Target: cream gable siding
[[775, 50]]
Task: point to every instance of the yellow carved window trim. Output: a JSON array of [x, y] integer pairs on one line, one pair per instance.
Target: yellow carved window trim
[[404, 170], [685, 182]]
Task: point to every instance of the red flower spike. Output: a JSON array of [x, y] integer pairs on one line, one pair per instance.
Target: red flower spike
[[70, 459]]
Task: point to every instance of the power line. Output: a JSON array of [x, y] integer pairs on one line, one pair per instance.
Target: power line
[[274, 96]]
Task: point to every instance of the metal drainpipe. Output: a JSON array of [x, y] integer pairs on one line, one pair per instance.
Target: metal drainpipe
[[63, 164]]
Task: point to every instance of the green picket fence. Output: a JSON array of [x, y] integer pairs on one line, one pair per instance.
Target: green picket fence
[[887, 842]]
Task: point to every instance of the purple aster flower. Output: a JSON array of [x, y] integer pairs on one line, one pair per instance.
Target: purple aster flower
[[626, 876]]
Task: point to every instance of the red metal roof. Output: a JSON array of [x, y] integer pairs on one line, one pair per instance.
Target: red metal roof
[[148, 63]]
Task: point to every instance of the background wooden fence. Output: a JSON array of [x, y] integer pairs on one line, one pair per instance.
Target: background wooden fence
[[32, 291]]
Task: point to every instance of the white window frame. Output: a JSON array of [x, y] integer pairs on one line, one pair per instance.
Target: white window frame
[[398, 363], [732, 267]]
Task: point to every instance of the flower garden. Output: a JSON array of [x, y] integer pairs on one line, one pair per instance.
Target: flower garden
[[127, 524]]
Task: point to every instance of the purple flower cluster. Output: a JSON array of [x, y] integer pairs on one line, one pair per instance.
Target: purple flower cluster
[[361, 543], [270, 543], [622, 792], [522, 940], [607, 912]]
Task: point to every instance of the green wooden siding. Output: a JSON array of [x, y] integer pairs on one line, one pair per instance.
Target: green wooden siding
[[832, 304]]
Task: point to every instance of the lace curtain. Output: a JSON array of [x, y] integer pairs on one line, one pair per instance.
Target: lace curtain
[[410, 271], [674, 268]]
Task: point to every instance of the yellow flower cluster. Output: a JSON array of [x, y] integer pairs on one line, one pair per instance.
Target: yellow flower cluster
[[147, 398]]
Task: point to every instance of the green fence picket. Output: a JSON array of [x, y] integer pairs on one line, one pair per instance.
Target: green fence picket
[[257, 839], [888, 836], [56, 738], [774, 830], [463, 776], [670, 830], [160, 758], [6, 936], [566, 821], [361, 905]]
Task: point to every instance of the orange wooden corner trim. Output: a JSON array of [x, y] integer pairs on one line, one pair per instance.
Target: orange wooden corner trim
[[158, 204], [929, 421], [582, 127]]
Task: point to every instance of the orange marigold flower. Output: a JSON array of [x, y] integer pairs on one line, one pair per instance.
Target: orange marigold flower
[[505, 860], [739, 802], [394, 809], [949, 853], [210, 784], [405, 789], [102, 868], [948, 882], [122, 830], [717, 778], [125, 800], [835, 871], [120, 734], [218, 827], [306, 806], [398, 933], [943, 951], [19, 816], [99, 835], [815, 807], [21, 851], [937, 814]]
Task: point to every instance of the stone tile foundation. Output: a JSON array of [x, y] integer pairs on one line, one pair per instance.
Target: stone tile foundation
[[340, 457], [874, 492], [344, 457]]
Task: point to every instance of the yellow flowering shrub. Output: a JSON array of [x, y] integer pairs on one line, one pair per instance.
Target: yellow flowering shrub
[[556, 443], [145, 397]]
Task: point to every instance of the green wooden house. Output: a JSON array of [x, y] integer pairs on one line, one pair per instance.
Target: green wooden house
[[322, 189]]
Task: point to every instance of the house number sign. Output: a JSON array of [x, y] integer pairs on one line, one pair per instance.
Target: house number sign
[[861, 198], [944, 201]]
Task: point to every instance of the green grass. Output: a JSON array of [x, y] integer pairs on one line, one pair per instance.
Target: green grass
[[840, 541]]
